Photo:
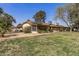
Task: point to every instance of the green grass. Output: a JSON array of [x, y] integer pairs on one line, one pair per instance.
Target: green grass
[[55, 44]]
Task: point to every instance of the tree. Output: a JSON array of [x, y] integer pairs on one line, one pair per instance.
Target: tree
[[1, 11], [74, 15], [69, 14], [6, 22], [40, 16], [61, 14], [19, 26]]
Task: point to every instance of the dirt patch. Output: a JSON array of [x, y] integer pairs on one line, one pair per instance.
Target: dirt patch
[[19, 35]]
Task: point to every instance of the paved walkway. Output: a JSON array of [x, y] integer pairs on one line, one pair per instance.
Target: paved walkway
[[20, 35]]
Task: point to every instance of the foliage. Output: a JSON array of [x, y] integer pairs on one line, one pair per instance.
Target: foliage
[[74, 15], [6, 21], [1, 11], [40, 16], [42, 31], [69, 14], [61, 14], [27, 30]]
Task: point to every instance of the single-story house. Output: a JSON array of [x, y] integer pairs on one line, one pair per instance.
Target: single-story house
[[35, 27]]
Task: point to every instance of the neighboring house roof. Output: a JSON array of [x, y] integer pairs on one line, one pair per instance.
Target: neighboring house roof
[[19, 26], [53, 25], [28, 21], [45, 24]]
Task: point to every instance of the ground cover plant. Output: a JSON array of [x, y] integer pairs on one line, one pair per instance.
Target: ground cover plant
[[54, 44]]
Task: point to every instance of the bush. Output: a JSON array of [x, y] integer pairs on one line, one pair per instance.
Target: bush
[[42, 31], [27, 30]]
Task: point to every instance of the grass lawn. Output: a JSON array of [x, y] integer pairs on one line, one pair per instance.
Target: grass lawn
[[55, 44]]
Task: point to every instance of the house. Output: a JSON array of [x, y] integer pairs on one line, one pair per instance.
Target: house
[[37, 27], [18, 28]]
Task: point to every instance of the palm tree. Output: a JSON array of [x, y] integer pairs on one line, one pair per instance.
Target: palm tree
[[40, 16]]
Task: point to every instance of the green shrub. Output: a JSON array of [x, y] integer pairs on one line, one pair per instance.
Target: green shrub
[[27, 30], [42, 31]]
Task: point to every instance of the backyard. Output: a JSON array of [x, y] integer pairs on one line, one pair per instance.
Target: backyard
[[55, 44]]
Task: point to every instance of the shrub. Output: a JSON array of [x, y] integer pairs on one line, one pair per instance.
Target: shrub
[[27, 30], [42, 31]]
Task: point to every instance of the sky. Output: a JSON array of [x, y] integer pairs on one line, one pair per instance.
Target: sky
[[24, 11]]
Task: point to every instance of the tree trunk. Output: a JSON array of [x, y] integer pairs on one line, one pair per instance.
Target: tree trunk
[[2, 35], [70, 29], [67, 25], [66, 22]]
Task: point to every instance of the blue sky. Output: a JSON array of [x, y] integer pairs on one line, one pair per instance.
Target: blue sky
[[23, 11]]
